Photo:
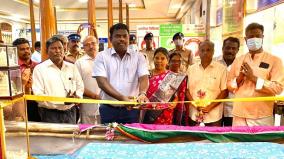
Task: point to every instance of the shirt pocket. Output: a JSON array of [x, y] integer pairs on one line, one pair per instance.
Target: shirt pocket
[[262, 73], [212, 83], [130, 73]]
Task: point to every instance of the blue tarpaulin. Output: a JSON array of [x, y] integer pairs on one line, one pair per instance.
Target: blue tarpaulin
[[240, 150]]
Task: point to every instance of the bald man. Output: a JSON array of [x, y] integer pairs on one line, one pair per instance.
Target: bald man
[[207, 80], [89, 113]]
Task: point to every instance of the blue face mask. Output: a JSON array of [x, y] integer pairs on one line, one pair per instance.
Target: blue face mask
[[254, 43]]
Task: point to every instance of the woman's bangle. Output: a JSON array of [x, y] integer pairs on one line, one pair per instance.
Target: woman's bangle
[[141, 93]]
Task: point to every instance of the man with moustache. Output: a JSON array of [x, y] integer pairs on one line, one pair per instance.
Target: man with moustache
[[25, 62], [230, 49], [121, 74], [26, 67], [55, 77], [74, 51], [206, 80], [255, 74], [89, 113], [64, 40]]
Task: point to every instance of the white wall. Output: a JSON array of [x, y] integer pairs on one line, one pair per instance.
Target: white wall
[[18, 28]]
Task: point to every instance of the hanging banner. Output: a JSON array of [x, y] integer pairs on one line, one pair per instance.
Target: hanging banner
[[233, 14], [167, 32], [261, 4], [142, 30], [219, 16], [193, 30], [170, 29]]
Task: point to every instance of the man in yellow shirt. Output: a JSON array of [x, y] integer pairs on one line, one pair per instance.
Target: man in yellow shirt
[[207, 80]]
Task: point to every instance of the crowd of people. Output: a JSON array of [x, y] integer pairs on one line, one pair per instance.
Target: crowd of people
[[156, 78]]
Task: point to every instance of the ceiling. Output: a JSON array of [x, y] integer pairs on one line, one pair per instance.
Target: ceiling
[[141, 11]]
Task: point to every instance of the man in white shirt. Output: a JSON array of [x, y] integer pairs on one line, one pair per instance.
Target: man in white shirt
[[89, 112], [64, 40], [121, 74], [230, 49], [36, 56], [55, 77]]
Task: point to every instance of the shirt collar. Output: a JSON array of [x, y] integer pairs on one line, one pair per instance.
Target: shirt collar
[[31, 64], [51, 64], [210, 65], [87, 57], [221, 59], [112, 51], [256, 56], [70, 54]]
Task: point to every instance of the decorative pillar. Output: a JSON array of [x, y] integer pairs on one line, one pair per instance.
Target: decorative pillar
[[120, 12], [55, 20], [32, 23], [127, 16], [208, 19], [47, 25], [110, 19], [92, 16], [1, 35]]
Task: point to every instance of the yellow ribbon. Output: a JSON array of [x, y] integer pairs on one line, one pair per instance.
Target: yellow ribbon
[[10, 102], [196, 102], [76, 100]]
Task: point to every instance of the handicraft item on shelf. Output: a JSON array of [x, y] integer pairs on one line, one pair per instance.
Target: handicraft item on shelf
[[10, 74]]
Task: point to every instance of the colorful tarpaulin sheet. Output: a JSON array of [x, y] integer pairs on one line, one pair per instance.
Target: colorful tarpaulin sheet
[[155, 133], [177, 150]]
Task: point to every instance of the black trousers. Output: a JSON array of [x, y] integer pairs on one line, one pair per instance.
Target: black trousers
[[33, 114], [58, 116]]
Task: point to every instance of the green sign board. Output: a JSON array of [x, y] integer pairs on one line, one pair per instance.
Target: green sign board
[[166, 42], [170, 29]]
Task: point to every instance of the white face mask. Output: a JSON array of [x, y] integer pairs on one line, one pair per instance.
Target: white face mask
[[133, 47], [178, 42], [254, 43]]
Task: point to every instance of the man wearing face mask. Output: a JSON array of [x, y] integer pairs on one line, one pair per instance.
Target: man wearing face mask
[[255, 74], [186, 54], [148, 52], [132, 43]]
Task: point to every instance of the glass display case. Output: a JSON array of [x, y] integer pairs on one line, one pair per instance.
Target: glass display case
[[10, 73], [8, 56], [10, 82]]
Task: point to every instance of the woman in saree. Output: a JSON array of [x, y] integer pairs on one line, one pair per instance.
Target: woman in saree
[[164, 86], [182, 109]]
